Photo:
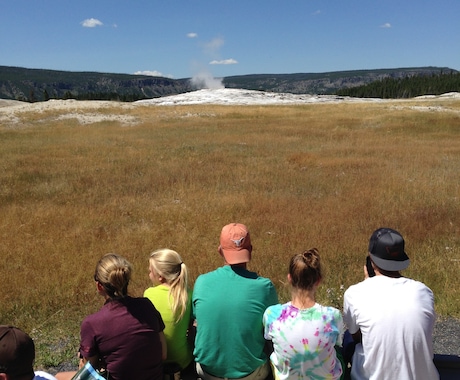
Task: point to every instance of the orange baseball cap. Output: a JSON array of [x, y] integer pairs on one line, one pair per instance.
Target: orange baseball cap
[[235, 243]]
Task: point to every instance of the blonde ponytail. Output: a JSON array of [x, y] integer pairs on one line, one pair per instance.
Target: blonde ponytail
[[168, 264]]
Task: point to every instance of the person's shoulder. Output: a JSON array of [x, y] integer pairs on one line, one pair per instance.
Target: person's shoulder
[[362, 284], [414, 282], [149, 291], [209, 276], [264, 284], [98, 315], [135, 302], [277, 307], [273, 311], [153, 290], [143, 301], [358, 288], [331, 310], [420, 286], [210, 273], [264, 280]]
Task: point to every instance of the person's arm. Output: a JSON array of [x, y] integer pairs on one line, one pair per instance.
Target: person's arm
[[159, 326], [349, 317], [164, 349], [268, 347], [68, 375], [357, 337], [88, 351], [191, 332], [94, 360], [273, 295]]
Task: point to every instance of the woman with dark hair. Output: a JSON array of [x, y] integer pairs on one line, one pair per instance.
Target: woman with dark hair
[[125, 336]]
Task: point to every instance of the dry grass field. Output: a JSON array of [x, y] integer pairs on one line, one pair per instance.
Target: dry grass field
[[76, 183]]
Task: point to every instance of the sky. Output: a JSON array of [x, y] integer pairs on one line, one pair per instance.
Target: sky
[[218, 38]]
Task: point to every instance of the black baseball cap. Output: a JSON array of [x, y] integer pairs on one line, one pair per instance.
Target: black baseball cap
[[386, 249], [17, 353]]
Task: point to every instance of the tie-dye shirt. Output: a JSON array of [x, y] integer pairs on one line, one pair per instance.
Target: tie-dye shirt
[[304, 340]]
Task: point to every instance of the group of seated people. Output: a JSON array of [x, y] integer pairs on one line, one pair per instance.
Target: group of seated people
[[232, 326]]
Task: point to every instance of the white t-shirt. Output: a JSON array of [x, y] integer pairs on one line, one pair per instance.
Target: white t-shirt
[[396, 318], [40, 375]]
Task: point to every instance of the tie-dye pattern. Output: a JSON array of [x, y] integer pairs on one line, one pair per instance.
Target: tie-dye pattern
[[304, 341]]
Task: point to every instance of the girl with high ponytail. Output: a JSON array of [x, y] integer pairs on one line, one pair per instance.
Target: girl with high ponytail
[[172, 298], [304, 333]]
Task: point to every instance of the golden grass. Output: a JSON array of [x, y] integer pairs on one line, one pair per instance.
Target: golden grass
[[322, 176]]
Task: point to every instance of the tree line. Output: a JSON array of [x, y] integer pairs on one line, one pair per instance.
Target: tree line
[[407, 87], [45, 96]]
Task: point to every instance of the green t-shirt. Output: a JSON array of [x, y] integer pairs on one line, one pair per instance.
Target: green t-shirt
[[178, 347], [228, 305]]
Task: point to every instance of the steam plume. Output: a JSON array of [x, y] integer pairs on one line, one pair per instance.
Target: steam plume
[[206, 80]]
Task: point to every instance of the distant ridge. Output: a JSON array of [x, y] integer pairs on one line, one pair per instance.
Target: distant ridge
[[38, 84], [324, 83], [17, 83]]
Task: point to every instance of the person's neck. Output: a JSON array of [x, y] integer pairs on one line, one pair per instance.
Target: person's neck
[[303, 299], [239, 265], [387, 273]]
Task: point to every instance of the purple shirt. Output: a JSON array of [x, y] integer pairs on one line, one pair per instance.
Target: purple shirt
[[125, 335]]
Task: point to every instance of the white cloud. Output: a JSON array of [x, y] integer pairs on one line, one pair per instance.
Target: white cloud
[[153, 73], [91, 23], [387, 25], [214, 44], [192, 35], [317, 12], [229, 61]]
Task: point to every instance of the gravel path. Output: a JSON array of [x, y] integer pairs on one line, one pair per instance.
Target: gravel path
[[446, 340]]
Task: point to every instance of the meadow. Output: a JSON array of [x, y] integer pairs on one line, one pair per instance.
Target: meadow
[[299, 176]]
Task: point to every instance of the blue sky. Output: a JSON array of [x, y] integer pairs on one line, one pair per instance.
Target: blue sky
[[181, 39]]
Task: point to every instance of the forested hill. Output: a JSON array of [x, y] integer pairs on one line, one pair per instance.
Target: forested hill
[[40, 85], [36, 85], [407, 87], [325, 83]]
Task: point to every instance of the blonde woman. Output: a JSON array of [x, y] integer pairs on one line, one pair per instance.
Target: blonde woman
[[172, 298], [126, 335]]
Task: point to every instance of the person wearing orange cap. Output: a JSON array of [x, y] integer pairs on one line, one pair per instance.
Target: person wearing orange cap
[[228, 306], [17, 355]]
